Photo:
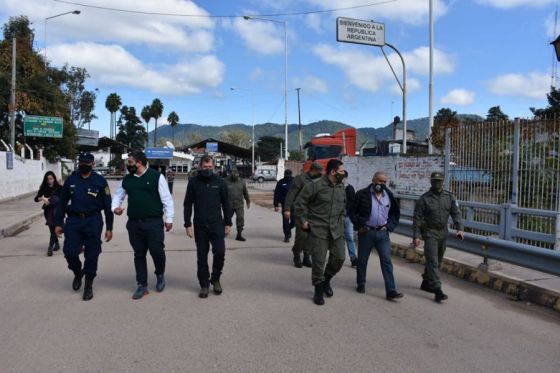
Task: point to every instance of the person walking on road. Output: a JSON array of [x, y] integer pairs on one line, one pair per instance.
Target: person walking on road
[[84, 194], [377, 213], [348, 225], [431, 215], [280, 192], [237, 195], [49, 195], [212, 222], [297, 185], [320, 208], [149, 199], [170, 174]]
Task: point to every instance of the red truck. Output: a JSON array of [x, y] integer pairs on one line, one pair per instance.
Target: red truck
[[324, 147]]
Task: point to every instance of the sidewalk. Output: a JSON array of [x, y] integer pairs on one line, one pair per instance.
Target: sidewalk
[[17, 214]]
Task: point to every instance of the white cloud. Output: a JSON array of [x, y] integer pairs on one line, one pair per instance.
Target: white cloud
[[256, 73], [266, 38], [311, 84], [409, 11], [533, 85], [371, 73], [508, 4], [313, 21], [112, 65], [190, 34], [461, 97], [412, 85]]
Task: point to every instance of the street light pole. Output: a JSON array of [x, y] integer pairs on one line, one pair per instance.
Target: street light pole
[[46, 19], [299, 123], [252, 125], [403, 89], [285, 23]]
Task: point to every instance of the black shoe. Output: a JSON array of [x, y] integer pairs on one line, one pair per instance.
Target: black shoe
[[318, 296], [394, 295], [217, 287], [160, 283], [140, 291], [88, 289], [440, 295], [426, 287], [203, 293], [306, 261], [49, 250], [240, 237], [286, 239], [297, 261], [361, 289], [354, 262], [77, 282], [56, 247], [327, 288]]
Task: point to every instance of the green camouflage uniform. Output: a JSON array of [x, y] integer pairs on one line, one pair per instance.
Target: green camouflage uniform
[[301, 236], [237, 194]]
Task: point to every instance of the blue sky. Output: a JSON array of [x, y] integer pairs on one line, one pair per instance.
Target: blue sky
[[487, 53]]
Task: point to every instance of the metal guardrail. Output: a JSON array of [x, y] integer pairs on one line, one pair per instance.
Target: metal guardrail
[[499, 245]]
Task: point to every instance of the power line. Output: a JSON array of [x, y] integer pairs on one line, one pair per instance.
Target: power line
[[222, 15]]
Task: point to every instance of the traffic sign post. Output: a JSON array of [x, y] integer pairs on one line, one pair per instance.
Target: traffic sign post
[[38, 126]]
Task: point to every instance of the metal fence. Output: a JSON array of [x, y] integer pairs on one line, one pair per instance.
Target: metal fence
[[508, 174]]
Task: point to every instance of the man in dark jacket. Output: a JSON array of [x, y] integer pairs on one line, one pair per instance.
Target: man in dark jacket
[[212, 222], [348, 225], [377, 213], [280, 193]]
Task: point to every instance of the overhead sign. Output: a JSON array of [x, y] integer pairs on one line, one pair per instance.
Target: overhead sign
[[349, 30], [38, 126], [211, 147], [159, 153], [87, 137]]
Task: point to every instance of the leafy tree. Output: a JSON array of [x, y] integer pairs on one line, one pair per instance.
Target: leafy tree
[[495, 114], [444, 118], [146, 114], [113, 103], [553, 108], [268, 148], [157, 110], [236, 137], [173, 120], [82, 101], [131, 131]]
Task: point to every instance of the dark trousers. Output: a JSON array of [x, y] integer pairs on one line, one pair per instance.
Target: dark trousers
[[204, 235], [287, 224], [147, 235], [170, 184], [434, 250], [86, 232], [378, 240], [53, 241]]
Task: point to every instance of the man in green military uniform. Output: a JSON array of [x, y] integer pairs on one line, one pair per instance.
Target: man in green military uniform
[[320, 208], [237, 192], [431, 215], [299, 182]]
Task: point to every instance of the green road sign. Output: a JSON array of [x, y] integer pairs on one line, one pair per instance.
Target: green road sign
[[37, 126]]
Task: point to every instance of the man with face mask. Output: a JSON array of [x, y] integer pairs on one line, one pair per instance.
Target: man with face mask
[[377, 213], [320, 209], [237, 195], [149, 201], [84, 194], [212, 222], [431, 215], [280, 193]]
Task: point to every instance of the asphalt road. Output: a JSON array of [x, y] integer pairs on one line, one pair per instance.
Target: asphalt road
[[264, 321]]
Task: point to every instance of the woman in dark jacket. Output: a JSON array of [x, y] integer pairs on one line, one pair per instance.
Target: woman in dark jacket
[[49, 194]]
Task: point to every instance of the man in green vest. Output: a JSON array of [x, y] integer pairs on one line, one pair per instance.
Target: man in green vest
[[149, 201], [237, 194]]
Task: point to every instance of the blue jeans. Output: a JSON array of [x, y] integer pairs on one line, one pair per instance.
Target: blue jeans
[[378, 239], [349, 237]]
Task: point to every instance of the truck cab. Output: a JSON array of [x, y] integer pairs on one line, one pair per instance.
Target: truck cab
[[324, 147]]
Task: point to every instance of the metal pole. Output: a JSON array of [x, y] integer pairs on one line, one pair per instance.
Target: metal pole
[[13, 98], [45, 45], [286, 88], [403, 89], [431, 81], [299, 123], [253, 133], [515, 162]]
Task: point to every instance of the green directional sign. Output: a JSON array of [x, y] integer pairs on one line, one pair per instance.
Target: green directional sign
[[38, 126]]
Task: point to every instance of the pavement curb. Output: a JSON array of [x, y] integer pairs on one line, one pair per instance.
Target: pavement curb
[[14, 229], [517, 289]]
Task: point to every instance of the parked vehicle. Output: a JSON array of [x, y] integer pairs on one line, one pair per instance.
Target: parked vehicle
[[265, 173], [324, 147]]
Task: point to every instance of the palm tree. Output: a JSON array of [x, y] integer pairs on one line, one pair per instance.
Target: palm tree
[[157, 111], [173, 119], [146, 114], [113, 104]]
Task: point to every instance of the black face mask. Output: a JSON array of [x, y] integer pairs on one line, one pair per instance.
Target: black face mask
[[339, 177], [84, 168], [379, 187], [314, 176], [437, 184], [132, 169], [234, 177], [206, 173]]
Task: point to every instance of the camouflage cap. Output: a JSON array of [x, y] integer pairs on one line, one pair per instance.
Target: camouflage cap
[[316, 166], [436, 176]]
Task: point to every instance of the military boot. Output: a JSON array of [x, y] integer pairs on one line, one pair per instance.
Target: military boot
[[426, 287], [306, 260], [327, 287], [297, 261], [318, 296], [239, 237], [88, 289], [440, 295], [77, 282], [50, 250]]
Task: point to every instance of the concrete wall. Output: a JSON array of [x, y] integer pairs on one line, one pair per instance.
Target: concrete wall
[[25, 177], [407, 175]]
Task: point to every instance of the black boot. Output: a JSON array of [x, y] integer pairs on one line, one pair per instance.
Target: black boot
[[318, 296], [306, 260], [327, 287], [297, 261], [440, 295], [88, 289], [77, 282], [426, 287], [239, 236], [50, 250]]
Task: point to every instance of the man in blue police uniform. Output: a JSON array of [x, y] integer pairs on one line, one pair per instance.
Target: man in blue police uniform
[[84, 194]]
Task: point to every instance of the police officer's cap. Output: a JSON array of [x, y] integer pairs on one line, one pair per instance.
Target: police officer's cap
[[85, 157], [288, 172], [316, 166], [436, 176]]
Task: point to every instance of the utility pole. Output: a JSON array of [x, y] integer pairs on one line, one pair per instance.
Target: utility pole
[[299, 125], [13, 98]]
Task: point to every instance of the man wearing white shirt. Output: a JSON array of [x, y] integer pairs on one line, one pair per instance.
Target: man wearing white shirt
[[149, 200]]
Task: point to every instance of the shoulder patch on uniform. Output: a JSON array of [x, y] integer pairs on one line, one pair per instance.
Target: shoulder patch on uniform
[[107, 191]]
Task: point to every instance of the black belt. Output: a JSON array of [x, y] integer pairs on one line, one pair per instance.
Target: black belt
[[144, 219], [83, 215], [376, 228]]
